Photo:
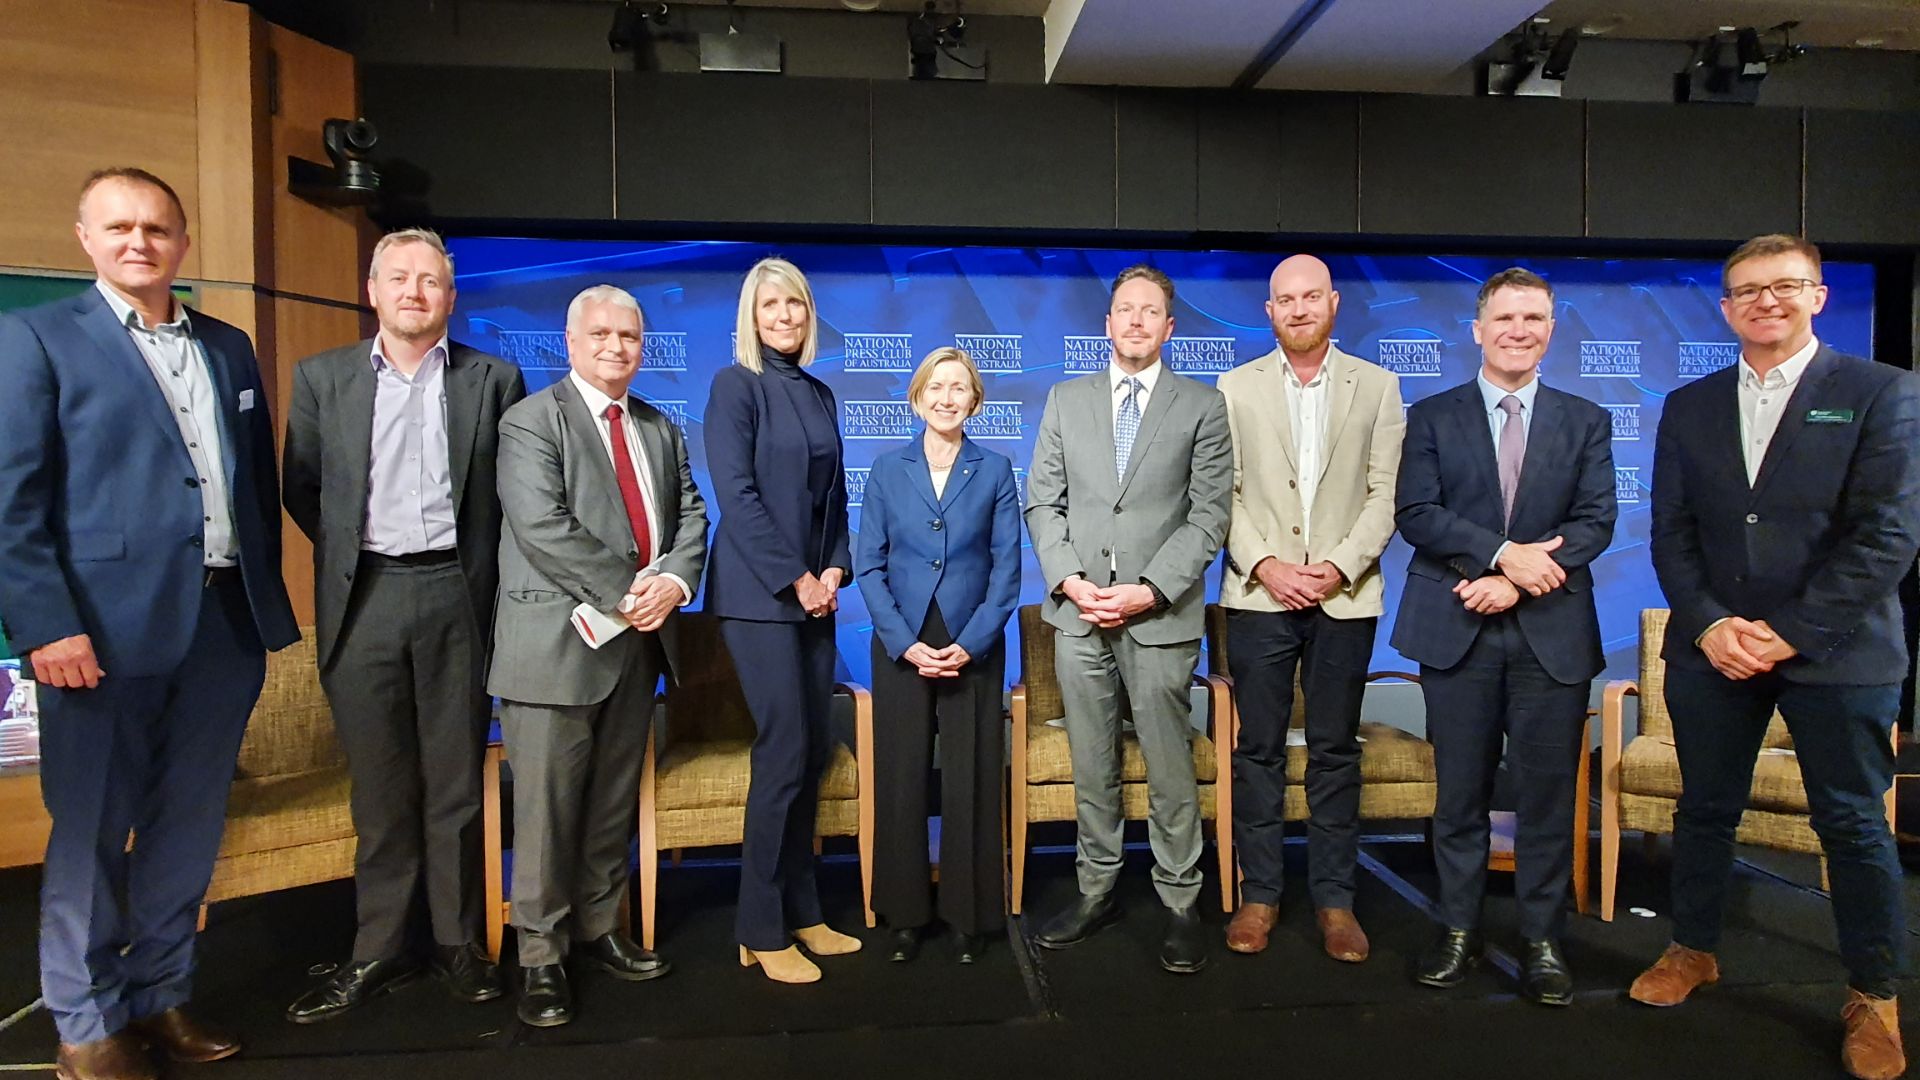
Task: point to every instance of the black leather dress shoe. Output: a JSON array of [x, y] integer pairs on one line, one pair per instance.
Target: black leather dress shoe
[[352, 985], [545, 998], [623, 958], [969, 948], [1446, 961], [1544, 978], [1079, 922], [470, 976], [1184, 951], [903, 945]]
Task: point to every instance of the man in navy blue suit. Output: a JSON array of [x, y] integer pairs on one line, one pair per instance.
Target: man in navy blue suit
[[1786, 509], [1506, 494], [140, 531]]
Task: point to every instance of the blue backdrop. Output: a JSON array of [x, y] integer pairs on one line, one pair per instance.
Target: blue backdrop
[[1628, 331]]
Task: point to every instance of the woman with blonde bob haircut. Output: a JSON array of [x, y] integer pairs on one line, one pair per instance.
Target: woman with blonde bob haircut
[[778, 559], [939, 566]]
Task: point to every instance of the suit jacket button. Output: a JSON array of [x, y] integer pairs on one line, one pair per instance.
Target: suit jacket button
[[1753, 519], [348, 575], [937, 525], [1291, 484], [195, 541], [1106, 553], [1116, 508], [1296, 530], [192, 483], [935, 564], [632, 554]]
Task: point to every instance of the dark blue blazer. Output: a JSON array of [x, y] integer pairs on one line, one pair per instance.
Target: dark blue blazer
[[961, 549], [100, 515], [765, 539], [1448, 508], [1818, 544]]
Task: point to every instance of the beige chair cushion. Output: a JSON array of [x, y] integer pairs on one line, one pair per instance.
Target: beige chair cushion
[[1655, 720], [1651, 766], [291, 729], [275, 812], [708, 775]]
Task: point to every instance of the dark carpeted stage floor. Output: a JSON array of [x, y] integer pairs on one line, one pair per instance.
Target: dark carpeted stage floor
[[1102, 1008]]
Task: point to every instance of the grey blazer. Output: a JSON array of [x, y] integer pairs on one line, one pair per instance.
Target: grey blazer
[[328, 453], [567, 542], [1163, 521]]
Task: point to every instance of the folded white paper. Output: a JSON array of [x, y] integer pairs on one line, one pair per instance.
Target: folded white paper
[[596, 627]]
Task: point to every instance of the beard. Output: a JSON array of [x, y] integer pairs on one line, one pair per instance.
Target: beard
[[1305, 339]]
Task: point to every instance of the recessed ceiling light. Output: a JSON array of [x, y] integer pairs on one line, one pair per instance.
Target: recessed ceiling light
[[860, 5], [1604, 24]]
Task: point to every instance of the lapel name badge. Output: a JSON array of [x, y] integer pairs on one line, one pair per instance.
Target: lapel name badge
[[1829, 416]]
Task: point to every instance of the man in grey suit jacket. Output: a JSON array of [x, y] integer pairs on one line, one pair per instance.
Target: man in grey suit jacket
[[389, 471], [601, 510], [1127, 504]]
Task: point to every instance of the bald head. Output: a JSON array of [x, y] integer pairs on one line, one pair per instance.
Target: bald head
[[1301, 305]]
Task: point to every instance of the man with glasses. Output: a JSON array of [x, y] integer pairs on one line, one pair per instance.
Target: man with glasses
[[1786, 504]]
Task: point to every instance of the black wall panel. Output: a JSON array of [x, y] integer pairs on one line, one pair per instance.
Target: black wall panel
[[1863, 177], [1240, 166], [497, 142], [1470, 166], [745, 148], [1692, 172], [1155, 153], [1017, 157], [1319, 163]]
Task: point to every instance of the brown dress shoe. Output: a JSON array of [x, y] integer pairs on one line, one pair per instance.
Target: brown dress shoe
[[1872, 1049], [119, 1056], [1341, 935], [183, 1038], [1678, 972], [1248, 931]]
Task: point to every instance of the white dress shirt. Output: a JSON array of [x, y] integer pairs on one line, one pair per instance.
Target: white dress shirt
[[175, 359], [1491, 396], [597, 403], [1763, 401], [1307, 410]]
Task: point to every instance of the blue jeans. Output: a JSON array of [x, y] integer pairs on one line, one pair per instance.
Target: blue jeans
[[1841, 736]]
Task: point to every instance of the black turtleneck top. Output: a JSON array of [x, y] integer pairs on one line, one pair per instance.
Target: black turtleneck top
[[787, 382]]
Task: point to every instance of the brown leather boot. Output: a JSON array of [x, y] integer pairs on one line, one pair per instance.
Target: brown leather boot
[[1679, 972], [183, 1038], [1872, 1049], [119, 1056], [1341, 935], [1251, 925]]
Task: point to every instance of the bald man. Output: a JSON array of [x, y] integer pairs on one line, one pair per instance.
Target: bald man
[[1316, 446]]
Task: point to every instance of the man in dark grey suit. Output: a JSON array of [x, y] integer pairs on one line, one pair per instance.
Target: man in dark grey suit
[[600, 511], [1127, 503], [390, 471]]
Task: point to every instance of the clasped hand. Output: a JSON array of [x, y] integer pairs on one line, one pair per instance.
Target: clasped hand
[[932, 663], [1296, 587], [1531, 566], [1488, 595], [654, 598], [1109, 607], [1742, 648], [819, 595]]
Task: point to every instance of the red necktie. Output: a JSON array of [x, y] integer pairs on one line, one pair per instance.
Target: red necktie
[[636, 503]]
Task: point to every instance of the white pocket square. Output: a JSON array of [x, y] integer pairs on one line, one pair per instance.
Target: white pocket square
[[246, 400]]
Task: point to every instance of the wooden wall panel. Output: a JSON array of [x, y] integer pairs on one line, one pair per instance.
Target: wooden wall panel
[[233, 234], [66, 112], [317, 250], [301, 329]]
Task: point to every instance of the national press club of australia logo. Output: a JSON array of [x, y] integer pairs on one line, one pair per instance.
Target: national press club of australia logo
[[1200, 355], [1609, 359], [1626, 484], [876, 352], [857, 487], [876, 420], [1084, 353], [663, 350], [534, 350], [1626, 420], [1701, 358], [1410, 353], [997, 420], [675, 410], [993, 354]]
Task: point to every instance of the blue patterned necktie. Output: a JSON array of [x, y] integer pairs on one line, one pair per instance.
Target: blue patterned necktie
[[1126, 425]]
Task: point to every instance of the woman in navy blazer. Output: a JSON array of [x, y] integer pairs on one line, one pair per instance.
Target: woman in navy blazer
[[939, 566], [779, 557]]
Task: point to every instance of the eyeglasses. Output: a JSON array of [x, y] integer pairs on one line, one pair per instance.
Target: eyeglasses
[[1784, 289]]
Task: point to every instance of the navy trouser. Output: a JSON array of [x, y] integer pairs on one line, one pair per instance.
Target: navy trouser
[[1842, 738], [786, 670], [154, 755]]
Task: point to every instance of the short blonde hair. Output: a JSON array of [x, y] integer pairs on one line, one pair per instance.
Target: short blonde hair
[[410, 236], [924, 375], [746, 335]]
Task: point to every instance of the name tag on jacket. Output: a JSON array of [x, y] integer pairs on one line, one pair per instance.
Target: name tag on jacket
[[1829, 416]]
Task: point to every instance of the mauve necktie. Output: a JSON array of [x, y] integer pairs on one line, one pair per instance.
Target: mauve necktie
[[1513, 450], [636, 503]]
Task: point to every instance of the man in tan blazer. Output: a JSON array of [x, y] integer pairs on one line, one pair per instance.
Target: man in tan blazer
[[1316, 446]]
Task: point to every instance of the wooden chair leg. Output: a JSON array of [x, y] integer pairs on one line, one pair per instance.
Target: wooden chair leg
[[1825, 885], [493, 864], [201, 924], [1017, 797], [1582, 842], [649, 831]]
